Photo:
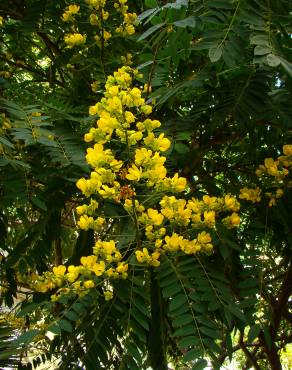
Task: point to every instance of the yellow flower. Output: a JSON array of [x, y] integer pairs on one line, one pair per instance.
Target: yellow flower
[[127, 60], [129, 29], [82, 184], [134, 173], [122, 267], [210, 202], [173, 242], [85, 222], [81, 209], [209, 218], [89, 284], [129, 117], [155, 259], [74, 39], [146, 109], [231, 203], [73, 273], [108, 295], [234, 219], [253, 195], [287, 149], [142, 156], [190, 246], [178, 183], [93, 110], [155, 217], [99, 268], [204, 238], [88, 261], [59, 270], [73, 9], [142, 256], [160, 143], [271, 167], [231, 221], [93, 19]]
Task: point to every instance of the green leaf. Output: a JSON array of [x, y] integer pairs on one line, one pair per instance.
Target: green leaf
[[262, 50], [177, 301], [148, 13], [236, 312], [65, 325], [211, 344], [211, 333], [192, 355], [181, 148], [214, 305], [253, 332], [150, 31], [171, 290], [78, 308], [39, 203], [187, 22], [28, 308], [215, 54], [143, 65], [134, 352], [183, 320], [260, 40], [186, 330], [273, 60], [71, 315], [200, 365], [6, 142], [27, 337], [177, 4], [188, 341], [287, 66], [54, 328], [151, 3]]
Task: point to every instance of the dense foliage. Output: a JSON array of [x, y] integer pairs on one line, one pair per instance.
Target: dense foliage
[[155, 230]]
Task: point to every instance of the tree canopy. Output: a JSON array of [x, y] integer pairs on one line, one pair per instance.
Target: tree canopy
[[145, 184]]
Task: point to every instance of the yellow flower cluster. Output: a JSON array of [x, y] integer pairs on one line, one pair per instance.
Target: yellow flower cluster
[[253, 195], [94, 86], [130, 19], [127, 59], [105, 261], [122, 117], [99, 15], [74, 39], [119, 112], [178, 213], [274, 196], [1, 21], [69, 13], [276, 174], [279, 168], [96, 4], [126, 155], [175, 243], [128, 26]]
